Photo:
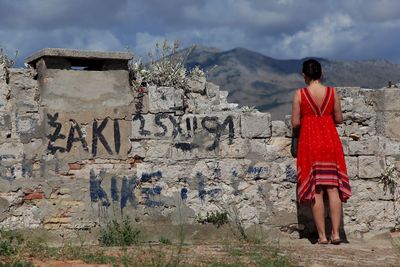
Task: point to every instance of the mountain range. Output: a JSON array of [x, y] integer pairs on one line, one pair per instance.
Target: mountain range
[[254, 79]]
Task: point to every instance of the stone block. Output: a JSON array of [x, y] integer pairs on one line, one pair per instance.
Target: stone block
[[363, 105], [288, 122], [184, 151], [346, 104], [377, 214], [278, 147], [197, 84], [26, 219], [352, 129], [352, 167], [178, 99], [391, 99], [27, 124], [234, 170], [158, 149], [141, 100], [156, 126], [340, 129], [5, 122], [238, 148], [223, 96], [219, 125], [389, 147], [258, 170], [279, 128], [137, 150], [30, 95], [87, 90], [368, 146], [348, 91], [255, 125], [258, 148], [142, 126], [200, 104], [161, 99], [4, 205], [370, 166], [32, 194], [175, 172], [212, 90], [22, 79], [10, 152], [391, 124]]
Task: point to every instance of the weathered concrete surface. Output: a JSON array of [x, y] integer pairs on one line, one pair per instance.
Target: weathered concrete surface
[[87, 90], [74, 53]]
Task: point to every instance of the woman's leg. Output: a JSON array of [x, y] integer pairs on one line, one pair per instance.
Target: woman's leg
[[318, 211], [335, 208]]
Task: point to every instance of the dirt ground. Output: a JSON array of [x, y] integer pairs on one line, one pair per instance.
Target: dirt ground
[[382, 250]]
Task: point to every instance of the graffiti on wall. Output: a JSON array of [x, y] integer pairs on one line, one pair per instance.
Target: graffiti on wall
[[75, 135], [133, 191], [11, 168], [126, 194], [165, 125]]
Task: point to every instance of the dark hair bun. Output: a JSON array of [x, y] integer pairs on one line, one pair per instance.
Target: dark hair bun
[[312, 69]]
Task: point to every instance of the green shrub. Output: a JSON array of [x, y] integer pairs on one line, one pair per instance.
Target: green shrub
[[165, 240], [119, 234], [9, 242], [17, 264], [217, 218]]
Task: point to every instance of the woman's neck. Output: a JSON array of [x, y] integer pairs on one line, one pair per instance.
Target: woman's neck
[[314, 83]]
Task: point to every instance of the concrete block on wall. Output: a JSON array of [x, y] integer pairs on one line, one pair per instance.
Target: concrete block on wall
[[364, 146], [279, 128], [389, 147], [391, 122], [161, 99], [391, 99], [212, 90], [352, 167], [255, 125], [142, 126], [370, 166]]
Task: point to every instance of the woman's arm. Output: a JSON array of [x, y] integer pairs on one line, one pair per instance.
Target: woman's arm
[[296, 110], [337, 110]]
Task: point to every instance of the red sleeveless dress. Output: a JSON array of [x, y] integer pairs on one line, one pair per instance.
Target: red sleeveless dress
[[320, 158]]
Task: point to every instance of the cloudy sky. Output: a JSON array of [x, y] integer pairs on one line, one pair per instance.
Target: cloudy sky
[[335, 29]]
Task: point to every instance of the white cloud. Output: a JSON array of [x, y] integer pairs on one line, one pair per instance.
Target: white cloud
[[322, 38], [346, 29]]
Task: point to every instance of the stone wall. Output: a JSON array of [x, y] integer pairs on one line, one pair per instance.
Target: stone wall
[[172, 156]]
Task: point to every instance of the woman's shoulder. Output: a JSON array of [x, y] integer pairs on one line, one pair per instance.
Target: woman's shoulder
[[297, 94], [299, 90]]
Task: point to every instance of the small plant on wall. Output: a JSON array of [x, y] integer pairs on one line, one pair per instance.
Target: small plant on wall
[[165, 68], [389, 179], [5, 60]]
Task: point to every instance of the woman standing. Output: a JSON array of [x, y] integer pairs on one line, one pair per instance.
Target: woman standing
[[321, 168]]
